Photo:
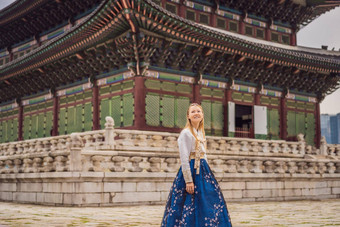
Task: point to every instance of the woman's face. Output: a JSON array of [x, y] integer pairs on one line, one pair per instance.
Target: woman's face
[[195, 114]]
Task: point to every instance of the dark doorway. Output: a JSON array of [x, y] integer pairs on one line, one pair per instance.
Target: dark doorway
[[243, 121]]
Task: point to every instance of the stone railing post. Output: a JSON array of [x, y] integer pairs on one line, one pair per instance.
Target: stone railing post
[[75, 147], [323, 146], [109, 133], [302, 144]]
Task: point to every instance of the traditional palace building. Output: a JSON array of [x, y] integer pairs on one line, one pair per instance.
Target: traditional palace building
[[67, 64]]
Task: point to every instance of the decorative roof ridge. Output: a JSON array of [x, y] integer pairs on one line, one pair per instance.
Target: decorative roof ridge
[[53, 40], [6, 14], [253, 41], [11, 6], [276, 45]]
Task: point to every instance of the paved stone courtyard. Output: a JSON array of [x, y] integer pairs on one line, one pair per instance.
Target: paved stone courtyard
[[294, 213]]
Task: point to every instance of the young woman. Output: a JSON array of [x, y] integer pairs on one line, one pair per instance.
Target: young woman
[[195, 198]]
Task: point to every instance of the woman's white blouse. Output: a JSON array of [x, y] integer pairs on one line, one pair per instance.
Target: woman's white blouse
[[186, 143]]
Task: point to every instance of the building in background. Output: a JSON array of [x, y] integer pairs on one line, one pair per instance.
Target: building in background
[[330, 128], [65, 65]]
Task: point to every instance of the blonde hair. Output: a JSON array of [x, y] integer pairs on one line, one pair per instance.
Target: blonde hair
[[200, 126]]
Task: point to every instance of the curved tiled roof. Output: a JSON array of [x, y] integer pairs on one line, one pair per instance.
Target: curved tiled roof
[[112, 18]]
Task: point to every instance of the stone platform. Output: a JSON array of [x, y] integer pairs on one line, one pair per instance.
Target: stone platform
[[293, 213], [126, 167]]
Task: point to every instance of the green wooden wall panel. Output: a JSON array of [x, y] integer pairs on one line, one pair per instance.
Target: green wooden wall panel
[[310, 131], [15, 130], [62, 121], [70, 119], [273, 122], [168, 111], [1, 132], [34, 126], [88, 117], [217, 116], [182, 106], [8, 130], [206, 105], [26, 127], [300, 123], [49, 123], [152, 109], [105, 110], [4, 127], [79, 118], [128, 110], [117, 111], [168, 86], [41, 125], [291, 123]]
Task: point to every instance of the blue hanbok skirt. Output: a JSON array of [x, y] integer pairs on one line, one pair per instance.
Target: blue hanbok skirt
[[206, 207]]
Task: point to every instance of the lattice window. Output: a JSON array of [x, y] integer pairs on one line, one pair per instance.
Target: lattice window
[[204, 18], [233, 26], [285, 39], [310, 131], [166, 110], [259, 33], [273, 122], [38, 120], [191, 15], [249, 30], [120, 108], [221, 23], [152, 109], [170, 7], [275, 37], [213, 117], [9, 128], [76, 118], [298, 122]]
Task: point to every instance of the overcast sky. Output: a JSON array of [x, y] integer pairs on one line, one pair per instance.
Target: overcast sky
[[324, 30]]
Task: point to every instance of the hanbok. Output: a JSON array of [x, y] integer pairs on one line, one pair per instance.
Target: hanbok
[[206, 207]]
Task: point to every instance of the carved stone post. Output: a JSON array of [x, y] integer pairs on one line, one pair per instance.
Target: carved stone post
[[75, 147], [323, 146], [109, 133]]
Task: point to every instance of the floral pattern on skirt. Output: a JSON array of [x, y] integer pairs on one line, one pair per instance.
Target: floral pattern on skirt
[[206, 207]]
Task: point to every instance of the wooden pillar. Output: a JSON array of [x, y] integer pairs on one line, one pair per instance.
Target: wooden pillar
[[283, 117], [267, 32], [213, 18], [55, 115], [257, 96], [293, 38], [182, 9], [20, 122], [139, 99], [317, 125], [227, 98], [241, 25], [10, 53], [95, 103], [197, 93]]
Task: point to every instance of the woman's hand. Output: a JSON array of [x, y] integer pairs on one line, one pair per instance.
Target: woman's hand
[[190, 187]]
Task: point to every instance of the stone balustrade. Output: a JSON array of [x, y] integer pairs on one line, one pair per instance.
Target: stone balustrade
[[136, 151], [332, 150], [122, 162]]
